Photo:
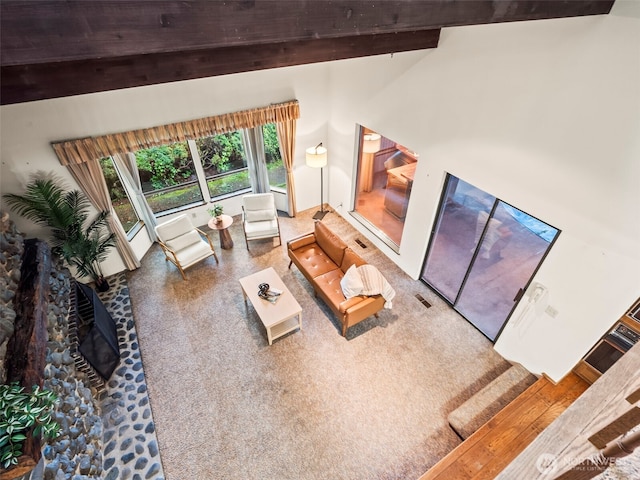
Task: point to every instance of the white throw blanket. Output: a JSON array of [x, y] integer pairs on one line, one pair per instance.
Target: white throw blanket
[[376, 284]]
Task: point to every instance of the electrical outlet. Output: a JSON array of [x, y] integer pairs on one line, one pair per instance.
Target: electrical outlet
[[552, 312]]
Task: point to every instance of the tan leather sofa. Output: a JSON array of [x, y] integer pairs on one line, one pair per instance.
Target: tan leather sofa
[[323, 258]]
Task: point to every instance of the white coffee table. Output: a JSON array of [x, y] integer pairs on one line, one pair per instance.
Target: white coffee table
[[279, 318]]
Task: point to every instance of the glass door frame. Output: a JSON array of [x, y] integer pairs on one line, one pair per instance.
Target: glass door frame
[[521, 291]]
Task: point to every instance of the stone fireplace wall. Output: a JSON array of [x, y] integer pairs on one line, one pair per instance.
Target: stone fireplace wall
[[11, 249], [76, 453]]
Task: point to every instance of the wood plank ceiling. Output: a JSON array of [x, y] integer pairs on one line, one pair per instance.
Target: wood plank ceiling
[[56, 48]]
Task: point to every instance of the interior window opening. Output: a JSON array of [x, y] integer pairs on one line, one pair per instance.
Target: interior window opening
[[385, 174]]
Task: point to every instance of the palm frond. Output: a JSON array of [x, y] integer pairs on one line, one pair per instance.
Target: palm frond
[[67, 213], [41, 198]]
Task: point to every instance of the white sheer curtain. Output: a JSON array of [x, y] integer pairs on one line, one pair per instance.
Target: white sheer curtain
[[253, 143], [128, 168]]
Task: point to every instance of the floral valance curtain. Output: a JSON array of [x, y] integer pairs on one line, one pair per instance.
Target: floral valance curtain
[[84, 149]]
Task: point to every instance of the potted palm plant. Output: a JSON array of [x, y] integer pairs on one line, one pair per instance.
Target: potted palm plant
[[81, 242]]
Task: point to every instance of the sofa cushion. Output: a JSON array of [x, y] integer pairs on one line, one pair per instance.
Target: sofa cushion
[[329, 285], [351, 283], [330, 243], [312, 260], [351, 258]]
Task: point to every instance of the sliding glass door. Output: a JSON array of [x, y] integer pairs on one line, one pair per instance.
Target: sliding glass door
[[483, 253]]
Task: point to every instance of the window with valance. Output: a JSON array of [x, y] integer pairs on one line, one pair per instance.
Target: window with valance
[[187, 141]]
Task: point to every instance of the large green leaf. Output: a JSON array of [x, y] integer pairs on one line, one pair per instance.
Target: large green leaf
[[80, 242]]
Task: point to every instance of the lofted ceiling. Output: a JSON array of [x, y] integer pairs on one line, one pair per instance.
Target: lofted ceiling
[[57, 48]]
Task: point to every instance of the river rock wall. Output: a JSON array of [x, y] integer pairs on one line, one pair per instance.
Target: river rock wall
[[76, 454], [11, 250]]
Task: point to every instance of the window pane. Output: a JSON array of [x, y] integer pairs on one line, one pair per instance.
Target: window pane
[[119, 197], [168, 177], [275, 167], [224, 164]]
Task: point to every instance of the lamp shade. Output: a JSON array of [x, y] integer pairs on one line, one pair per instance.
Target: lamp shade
[[316, 157], [371, 143]]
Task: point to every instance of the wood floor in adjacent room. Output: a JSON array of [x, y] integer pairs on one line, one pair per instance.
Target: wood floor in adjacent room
[[491, 448]]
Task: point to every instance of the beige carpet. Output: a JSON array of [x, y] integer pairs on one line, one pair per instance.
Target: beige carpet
[[314, 405]]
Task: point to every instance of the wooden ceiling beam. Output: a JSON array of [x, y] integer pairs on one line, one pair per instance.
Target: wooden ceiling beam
[[60, 30], [53, 48], [23, 83]]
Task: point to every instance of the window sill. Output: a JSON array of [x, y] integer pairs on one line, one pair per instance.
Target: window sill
[[133, 231], [230, 195], [183, 208]]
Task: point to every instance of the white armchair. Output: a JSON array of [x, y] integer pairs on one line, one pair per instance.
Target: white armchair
[[183, 244], [260, 217]]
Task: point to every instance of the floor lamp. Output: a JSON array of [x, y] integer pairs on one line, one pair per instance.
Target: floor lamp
[[316, 157]]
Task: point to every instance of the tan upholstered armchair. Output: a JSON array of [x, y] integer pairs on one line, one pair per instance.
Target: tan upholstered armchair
[[260, 217], [183, 244]]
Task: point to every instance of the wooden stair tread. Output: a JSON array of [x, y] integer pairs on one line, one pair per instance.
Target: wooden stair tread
[[494, 445]]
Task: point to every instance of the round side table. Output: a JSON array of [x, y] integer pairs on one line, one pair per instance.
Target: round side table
[[226, 242]]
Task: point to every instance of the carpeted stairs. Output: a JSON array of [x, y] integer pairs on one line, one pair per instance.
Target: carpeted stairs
[[483, 405]]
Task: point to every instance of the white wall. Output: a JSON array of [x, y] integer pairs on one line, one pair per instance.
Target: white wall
[[544, 115]]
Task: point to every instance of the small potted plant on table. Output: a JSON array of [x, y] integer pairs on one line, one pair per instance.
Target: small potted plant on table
[[216, 212]]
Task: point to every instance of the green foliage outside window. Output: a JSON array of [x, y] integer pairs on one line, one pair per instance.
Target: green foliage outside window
[[166, 165], [111, 177], [271, 145], [19, 412], [221, 153], [275, 166], [229, 183], [223, 161]]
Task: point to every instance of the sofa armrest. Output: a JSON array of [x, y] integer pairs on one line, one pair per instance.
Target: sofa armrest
[[360, 302], [301, 241], [348, 303]]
